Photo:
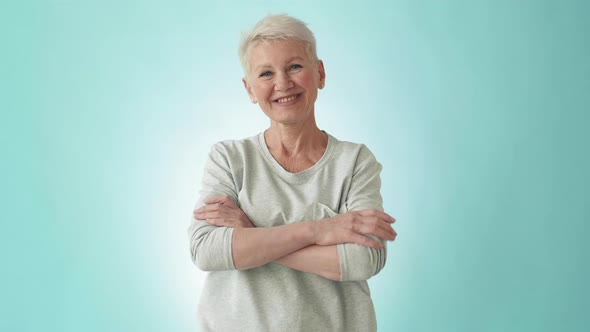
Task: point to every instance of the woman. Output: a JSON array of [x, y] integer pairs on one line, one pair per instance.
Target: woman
[[290, 222]]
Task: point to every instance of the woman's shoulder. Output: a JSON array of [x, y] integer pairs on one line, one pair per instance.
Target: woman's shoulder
[[234, 147], [347, 147]]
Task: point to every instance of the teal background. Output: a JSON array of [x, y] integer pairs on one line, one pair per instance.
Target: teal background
[[478, 111]]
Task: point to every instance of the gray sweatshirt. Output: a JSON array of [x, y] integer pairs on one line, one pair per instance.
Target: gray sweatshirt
[[272, 297]]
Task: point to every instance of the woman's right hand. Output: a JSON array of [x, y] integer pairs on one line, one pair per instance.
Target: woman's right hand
[[222, 211], [351, 227]]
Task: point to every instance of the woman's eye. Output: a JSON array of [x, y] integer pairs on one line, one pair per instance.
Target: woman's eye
[[296, 66], [265, 74]]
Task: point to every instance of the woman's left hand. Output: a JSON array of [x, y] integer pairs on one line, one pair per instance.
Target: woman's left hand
[[222, 211]]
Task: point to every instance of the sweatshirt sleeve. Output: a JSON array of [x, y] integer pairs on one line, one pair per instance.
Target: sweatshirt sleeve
[[358, 262], [211, 246]]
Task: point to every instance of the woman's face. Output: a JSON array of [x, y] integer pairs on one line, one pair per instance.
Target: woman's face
[[284, 80]]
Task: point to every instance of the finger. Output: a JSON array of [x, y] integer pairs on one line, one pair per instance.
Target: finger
[[201, 209], [380, 214], [377, 213], [385, 226], [199, 215], [208, 215], [384, 216], [372, 225], [373, 229], [221, 212], [211, 207], [217, 199]]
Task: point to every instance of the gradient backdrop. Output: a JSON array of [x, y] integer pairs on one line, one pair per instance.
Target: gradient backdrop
[[478, 111]]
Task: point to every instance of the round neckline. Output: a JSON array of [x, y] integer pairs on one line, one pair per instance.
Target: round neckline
[[299, 176]]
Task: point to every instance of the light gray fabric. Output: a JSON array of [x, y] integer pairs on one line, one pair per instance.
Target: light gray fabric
[[273, 297]]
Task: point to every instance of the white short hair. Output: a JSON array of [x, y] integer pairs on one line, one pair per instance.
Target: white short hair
[[277, 27]]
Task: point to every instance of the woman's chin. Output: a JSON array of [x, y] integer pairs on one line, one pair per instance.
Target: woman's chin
[[291, 119]]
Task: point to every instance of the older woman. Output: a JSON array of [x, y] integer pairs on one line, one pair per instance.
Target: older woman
[[290, 222]]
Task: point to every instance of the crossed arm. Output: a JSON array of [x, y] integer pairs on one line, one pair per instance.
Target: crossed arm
[[344, 247], [309, 246]]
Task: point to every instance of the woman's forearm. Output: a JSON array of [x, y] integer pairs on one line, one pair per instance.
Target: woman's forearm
[[362, 232], [320, 260], [252, 247]]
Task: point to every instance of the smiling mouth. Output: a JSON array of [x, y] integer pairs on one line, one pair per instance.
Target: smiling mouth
[[287, 99]]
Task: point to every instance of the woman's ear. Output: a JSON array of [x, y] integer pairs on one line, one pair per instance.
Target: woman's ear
[[322, 73], [249, 90]]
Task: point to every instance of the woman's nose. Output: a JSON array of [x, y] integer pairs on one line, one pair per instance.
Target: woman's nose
[[283, 82]]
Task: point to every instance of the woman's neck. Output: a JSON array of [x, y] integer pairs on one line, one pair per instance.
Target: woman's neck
[[296, 147]]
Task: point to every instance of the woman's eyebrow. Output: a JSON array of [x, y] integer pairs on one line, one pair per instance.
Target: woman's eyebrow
[[263, 66], [296, 57]]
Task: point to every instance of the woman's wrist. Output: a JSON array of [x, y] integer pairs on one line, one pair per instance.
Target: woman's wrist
[[309, 231]]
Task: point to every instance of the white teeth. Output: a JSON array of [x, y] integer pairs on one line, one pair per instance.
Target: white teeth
[[285, 100]]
